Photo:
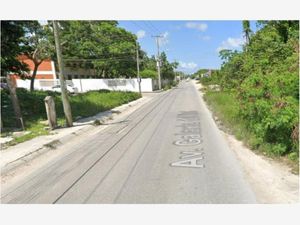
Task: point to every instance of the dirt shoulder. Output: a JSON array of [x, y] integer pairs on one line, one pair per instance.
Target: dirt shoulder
[[272, 181]]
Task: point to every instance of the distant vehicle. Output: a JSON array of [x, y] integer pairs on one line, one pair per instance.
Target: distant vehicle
[[3, 86], [70, 89]]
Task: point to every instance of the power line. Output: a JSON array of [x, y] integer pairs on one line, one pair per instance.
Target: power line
[[140, 27], [144, 22], [103, 59], [155, 28], [111, 55]]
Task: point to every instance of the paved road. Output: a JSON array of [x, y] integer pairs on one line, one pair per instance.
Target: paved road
[[167, 151]]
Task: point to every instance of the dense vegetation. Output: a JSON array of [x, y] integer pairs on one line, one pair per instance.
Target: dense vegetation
[[264, 81]]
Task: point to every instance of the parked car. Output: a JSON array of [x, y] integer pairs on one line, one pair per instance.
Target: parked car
[[70, 89]]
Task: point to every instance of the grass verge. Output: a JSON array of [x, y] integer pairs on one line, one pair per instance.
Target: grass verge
[[34, 112]]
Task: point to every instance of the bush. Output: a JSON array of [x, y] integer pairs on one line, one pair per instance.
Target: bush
[[265, 77], [147, 73]]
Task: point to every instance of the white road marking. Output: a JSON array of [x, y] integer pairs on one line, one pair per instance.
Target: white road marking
[[188, 154], [189, 163]]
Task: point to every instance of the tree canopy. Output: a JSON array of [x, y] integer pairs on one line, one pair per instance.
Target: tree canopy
[[149, 67], [99, 45], [11, 37], [265, 78], [36, 45]]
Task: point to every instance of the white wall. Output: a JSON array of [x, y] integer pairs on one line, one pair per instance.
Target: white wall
[[84, 85], [43, 84]]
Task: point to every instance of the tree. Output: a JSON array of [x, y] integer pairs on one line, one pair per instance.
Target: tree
[[247, 30], [148, 63], [264, 77], [285, 28], [11, 34], [167, 68], [148, 66], [99, 45], [36, 46]]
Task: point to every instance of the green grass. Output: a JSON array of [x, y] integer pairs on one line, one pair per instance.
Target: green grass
[[35, 129], [33, 109], [226, 108]]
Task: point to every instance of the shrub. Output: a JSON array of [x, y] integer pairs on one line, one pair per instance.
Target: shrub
[[265, 76], [147, 73]]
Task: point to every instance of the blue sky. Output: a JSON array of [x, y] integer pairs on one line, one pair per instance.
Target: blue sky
[[194, 44]]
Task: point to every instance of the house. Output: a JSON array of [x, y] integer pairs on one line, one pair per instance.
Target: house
[[46, 69], [84, 79], [47, 75]]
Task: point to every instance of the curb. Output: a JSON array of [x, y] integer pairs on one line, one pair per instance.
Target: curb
[[51, 145]]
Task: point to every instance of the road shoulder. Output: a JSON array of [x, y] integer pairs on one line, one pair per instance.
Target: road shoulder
[[271, 181]]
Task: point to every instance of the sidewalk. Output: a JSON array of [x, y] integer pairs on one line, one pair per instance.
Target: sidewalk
[[18, 154]]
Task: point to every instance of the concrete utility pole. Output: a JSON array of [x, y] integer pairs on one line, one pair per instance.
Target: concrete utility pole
[[138, 67], [158, 60], [64, 95]]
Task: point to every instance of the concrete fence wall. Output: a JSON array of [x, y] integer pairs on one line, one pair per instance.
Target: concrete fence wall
[[163, 83], [84, 85]]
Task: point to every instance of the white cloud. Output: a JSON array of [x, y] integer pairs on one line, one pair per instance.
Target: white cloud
[[231, 43], [188, 65], [198, 26], [141, 33]]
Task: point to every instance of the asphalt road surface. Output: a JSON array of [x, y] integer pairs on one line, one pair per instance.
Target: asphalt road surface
[[167, 151]]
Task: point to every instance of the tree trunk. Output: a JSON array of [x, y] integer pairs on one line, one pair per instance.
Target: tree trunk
[[15, 102], [36, 66]]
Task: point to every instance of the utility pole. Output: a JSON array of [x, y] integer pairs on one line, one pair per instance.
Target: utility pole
[[138, 67], [158, 60], [64, 95]]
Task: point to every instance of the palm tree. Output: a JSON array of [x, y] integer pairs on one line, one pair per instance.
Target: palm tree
[[247, 30]]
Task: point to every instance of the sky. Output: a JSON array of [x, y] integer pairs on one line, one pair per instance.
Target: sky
[[194, 44]]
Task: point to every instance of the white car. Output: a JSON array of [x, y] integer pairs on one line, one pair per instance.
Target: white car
[[70, 89]]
